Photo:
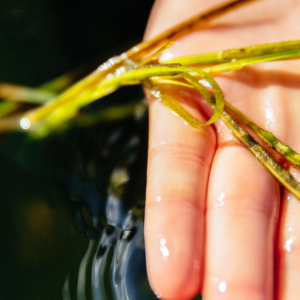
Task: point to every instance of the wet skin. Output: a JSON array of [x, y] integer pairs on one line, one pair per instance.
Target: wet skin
[[216, 221]]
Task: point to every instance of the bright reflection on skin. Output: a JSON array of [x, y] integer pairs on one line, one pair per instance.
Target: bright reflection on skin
[[289, 234], [164, 250], [220, 200], [158, 294], [220, 287], [168, 53], [288, 244], [270, 116], [223, 132], [25, 123], [158, 198]]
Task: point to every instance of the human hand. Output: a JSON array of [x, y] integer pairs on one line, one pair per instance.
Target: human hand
[[213, 211]]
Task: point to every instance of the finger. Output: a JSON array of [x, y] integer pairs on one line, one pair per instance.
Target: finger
[[166, 13], [241, 217], [178, 166], [288, 255]]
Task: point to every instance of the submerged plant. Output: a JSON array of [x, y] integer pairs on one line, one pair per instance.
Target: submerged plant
[[141, 65]]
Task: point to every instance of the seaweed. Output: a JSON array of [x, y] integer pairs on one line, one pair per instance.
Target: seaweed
[[141, 65]]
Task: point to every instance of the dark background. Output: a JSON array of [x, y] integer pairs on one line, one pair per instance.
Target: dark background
[[40, 40]]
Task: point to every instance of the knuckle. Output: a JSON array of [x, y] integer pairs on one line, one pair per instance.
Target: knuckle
[[178, 153], [244, 207]]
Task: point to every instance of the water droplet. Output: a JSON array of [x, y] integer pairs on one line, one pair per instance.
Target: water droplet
[[120, 71], [123, 56], [25, 123], [167, 55], [109, 76], [222, 286], [164, 250], [269, 114], [220, 200], [163, 241], [205, 83], [113, 60], [135, 49], [156, 93], [218, 286], [288, 244], [158, 294]]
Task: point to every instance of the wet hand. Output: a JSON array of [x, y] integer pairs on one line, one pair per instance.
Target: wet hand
[[213, 211]]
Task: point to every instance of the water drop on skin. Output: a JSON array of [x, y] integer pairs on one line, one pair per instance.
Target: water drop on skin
[[120, 71], [109, 76], [158, 294], [220, 200], [167, 55], [270, 119], [163, 249], [288, 244], [222, 286]]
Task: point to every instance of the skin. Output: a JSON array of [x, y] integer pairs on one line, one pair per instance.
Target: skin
[[216, 221]]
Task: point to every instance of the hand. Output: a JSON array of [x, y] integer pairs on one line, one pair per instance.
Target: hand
[[216, 221]]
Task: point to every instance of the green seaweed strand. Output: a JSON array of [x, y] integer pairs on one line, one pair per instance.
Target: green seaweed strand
[[268, 137], [239, 64], [236, 54], [135, 53], [132, 77], [278, 171]]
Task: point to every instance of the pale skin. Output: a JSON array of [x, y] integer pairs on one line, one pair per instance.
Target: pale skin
[[216, 221]]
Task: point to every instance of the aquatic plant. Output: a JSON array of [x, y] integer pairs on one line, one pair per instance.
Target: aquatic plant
[[141, 65]]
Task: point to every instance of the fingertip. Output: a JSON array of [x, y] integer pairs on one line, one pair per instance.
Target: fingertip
[[174, 249], [174, 281]]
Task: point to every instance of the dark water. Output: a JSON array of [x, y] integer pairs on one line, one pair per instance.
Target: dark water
[[72, 213], [72, 205]]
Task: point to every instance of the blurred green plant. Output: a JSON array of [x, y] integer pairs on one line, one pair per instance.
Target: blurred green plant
[[48, 112]]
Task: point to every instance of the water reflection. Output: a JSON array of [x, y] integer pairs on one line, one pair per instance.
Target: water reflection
[[108, 208]]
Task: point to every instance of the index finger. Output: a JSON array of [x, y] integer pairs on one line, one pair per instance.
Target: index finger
[[179, 161]]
